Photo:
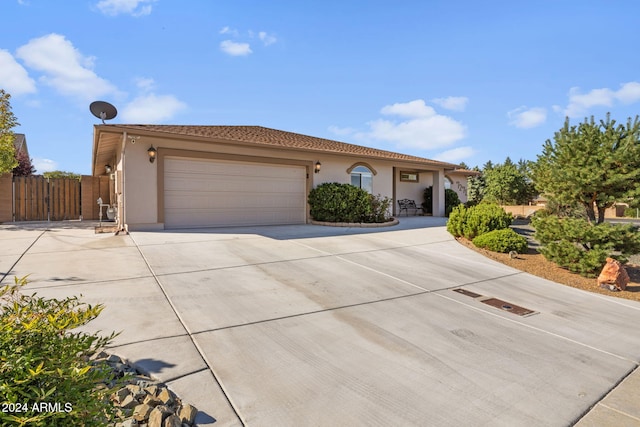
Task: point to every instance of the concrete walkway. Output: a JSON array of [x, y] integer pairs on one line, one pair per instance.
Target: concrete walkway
[[311, 325]]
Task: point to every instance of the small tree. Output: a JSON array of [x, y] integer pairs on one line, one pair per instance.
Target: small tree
[[508, 183], [7, 123], [593, 164], [24, 168]]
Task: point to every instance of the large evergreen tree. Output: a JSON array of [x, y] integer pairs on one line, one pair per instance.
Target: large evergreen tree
[[507, 184], [7, 123], [594, 164]]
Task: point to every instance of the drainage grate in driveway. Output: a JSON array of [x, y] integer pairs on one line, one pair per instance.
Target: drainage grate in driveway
[[506, 306], [467, 293]]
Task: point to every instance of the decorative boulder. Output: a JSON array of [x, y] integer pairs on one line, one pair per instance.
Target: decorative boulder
[[614, 276]]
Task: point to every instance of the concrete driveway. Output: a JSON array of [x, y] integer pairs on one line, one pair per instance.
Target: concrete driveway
[[311, 325]]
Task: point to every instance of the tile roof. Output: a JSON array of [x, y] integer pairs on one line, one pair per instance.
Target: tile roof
[[258, 135]]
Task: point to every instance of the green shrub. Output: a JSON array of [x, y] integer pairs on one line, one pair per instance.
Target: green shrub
[[451, 200], [476, 220], [631, 212], [566, 210], [505, 240], [335, 202], [582, 247], [379, 208], [43, 363], [427, 204]]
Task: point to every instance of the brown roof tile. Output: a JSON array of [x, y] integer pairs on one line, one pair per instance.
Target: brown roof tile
[[259, 135]]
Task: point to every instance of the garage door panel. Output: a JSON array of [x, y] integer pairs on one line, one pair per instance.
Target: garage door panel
[[231, 184], [200, 193], [179, 200]]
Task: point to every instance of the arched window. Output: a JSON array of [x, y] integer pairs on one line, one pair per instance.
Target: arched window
[[447, 183], [362, 177]]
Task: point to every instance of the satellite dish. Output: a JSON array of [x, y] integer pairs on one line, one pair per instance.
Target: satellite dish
[[103, 110]]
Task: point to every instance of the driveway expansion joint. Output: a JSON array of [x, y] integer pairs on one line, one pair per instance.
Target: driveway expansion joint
[[189, 334], [21, 255]]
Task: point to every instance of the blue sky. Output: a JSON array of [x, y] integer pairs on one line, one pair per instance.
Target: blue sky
[[459, 81]]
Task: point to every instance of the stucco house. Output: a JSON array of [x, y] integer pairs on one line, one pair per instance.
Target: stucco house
[[167, 176]]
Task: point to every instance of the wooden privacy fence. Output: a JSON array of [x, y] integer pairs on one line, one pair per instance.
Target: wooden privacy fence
[[40, 199], [37, 198]]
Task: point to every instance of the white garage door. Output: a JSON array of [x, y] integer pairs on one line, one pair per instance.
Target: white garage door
[[215, 193]]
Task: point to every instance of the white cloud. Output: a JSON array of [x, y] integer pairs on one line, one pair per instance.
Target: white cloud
[[64, 67], [235, 49], [228, 30], [629, 93], [267, 39], [152, 108], [129, 7], [580, 103], [456, 155], [525, 118], [425, 129], [44, 165], [454, 103], [145, 84], [415, 108], [13, 77]]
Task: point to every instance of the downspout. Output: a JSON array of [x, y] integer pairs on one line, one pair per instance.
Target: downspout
[[122, 218]]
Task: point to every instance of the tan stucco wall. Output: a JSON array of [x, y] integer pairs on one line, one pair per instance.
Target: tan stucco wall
[[459, 185], [413, 190], [141, 186], [141, 192], [334, 169]]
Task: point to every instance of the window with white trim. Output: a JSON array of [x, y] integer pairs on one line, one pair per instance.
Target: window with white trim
[[362, 177]]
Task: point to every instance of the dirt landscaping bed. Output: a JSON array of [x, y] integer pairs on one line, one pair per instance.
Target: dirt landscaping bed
[[534, 263]]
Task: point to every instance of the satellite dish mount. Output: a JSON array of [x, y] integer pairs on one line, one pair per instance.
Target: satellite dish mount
[[103, 110]]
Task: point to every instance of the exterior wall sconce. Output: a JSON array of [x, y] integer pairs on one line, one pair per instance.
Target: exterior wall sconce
[[152, 153], [107, 169], [317, 168]]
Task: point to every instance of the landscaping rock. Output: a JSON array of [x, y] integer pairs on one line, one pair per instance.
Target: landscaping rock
[[119, 395], [129, 402], [187, 414], [172, 421], [158, 415], [152, 400], [166, 396], [140, 400], [613, 276], [142, 412]]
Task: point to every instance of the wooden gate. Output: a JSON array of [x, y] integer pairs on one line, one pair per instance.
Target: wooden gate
[[37, 198]]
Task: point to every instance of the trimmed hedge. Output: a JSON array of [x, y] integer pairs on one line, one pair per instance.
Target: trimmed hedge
[[505, 240], [476, 220], [336, 202]]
